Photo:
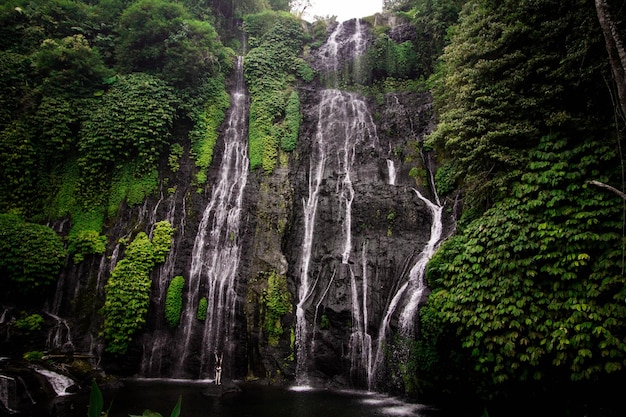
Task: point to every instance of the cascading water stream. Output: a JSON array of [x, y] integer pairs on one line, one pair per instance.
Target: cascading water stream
[[60, 383], [157, 343], [216, 250], [412, 289], [344, 124], [416, 276], [391, 172]]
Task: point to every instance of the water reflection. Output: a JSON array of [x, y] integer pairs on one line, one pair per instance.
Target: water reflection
[[254, 400]]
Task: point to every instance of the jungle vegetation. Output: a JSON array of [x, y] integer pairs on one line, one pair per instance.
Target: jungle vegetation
[[528, 296]]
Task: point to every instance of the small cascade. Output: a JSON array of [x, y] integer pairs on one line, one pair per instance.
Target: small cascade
[[8, 393], [411, 291], [416, 276], [156, 344], [391, 172], [345, 43], [59, 383], [60, 336], [216, 252], [361, 340]]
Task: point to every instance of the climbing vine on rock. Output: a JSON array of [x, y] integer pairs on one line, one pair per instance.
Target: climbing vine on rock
[[128, 288], [132, 121], [534, 288], [271, 68]]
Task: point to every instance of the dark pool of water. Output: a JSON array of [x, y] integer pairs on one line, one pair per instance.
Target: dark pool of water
[[254, 401]]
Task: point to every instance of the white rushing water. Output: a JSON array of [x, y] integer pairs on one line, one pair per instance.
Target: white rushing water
[[216, 250], [8, 393], [156, 344], [344, 124], [410, 293], [59, 382], [391, 172]]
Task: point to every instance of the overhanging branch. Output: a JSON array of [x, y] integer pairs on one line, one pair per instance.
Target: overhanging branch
[[608, 187]]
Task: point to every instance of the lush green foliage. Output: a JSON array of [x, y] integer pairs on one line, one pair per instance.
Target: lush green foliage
[[132, 121], [31, 255], [207, 123], [276, 302], [513, 73], [534, 289], [29, 323], [203, 305], [431, 20], [128, 288], [160, 38], [271, 68], [131, 184], [174, 301]]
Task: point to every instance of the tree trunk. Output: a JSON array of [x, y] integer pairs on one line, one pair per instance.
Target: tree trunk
[[615, 49]]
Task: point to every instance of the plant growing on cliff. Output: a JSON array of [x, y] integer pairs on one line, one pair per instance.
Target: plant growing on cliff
[[534, 288], [276, 300], [132, 122], [31, 255], [276, 39], [207, 122], [128, 289], [174, 301], [203, 305]]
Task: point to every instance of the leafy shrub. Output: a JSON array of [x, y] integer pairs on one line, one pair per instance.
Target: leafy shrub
[[33, 356], [132, 121], [534, 288], [128, 288], [270, 69], [31, 255], [174, 301], [207, 123], [30, 323], [132, 185], [87, 242], [203, 305]]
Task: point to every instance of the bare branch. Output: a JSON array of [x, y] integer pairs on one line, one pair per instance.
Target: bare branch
[[608, 187]]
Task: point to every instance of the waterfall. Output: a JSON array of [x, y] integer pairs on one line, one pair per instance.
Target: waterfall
[[360, 339], [155, 347], [346, 42], [344, 124], [59, 383], [416, 276], [8, 393], [391, 172], [412, 289], [216, 249], [60, 336]]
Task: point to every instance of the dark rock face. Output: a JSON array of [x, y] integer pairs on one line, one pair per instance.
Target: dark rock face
[[369, 229]]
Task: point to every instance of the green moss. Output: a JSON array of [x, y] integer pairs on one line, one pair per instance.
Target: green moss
[[206, 129], [203, 305], [271, 68], [31, 255], [174, 301], [276, 301], [30, 323], [128, 288], [131, 185]]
